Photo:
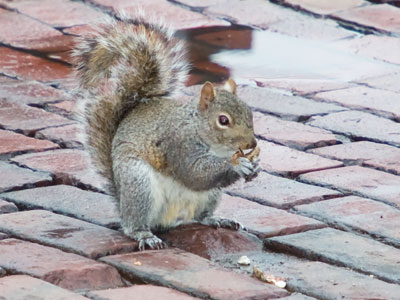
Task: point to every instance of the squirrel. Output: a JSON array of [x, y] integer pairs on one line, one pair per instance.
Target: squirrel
[[166, 162]]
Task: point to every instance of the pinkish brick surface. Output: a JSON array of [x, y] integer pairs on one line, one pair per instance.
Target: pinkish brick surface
[[12, 143], [14, 177], [262, 220], [360, 214], [23, 287], [387, 82], [297, 296], [7, 207], [68, 136], [68, 107], [363, 181], [379, 156], [190, 273], [325, 6], [65, 233], [66, 270], [280, 192], [291, 134]]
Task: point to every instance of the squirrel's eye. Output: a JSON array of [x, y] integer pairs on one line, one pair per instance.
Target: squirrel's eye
[[223, 120]]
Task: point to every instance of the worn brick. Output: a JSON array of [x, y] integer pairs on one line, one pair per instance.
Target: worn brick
[[380, 102], [89, 206], [280, 192], [23, 287], [262, 220], [66, 233], [360, 125], [360, 214], [68, 136], [65, 107], [369, 256], [285, 106], [297, 296], [66, 270], [7, 207], [379, 156], [14, 177], [139, 292], [190, 273], [388, 82], [14, 143], [324, 7], [362, 181]]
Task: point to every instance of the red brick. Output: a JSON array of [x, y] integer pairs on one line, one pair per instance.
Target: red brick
[[262, 220], [27, 119], [66, 233], [357, 124], [67, 136], [388, 82], [66, 270], [383, 17], [139, 292], [230, 38], [68, 106], [379, 156], [23, 65], [193, 274], [371, 257], [326, 6], [7, 207], [292, 134], [12, 142], [13, 177], [362, 181], [199, 3], [70, 166], [360, 214], [379, 102], [208, 242], [22, 287], [286, 161], [93, 207]]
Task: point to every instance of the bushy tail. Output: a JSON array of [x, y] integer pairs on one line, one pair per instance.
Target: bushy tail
[[122, 63]]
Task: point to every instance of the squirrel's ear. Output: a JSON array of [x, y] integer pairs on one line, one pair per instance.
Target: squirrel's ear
[[207, 95], [230, 86]]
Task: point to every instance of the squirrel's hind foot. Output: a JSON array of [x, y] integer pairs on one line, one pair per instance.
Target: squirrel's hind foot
[[219, 222], [148, 240]]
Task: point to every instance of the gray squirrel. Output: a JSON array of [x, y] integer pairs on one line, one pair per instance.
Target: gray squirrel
[[165, 162]]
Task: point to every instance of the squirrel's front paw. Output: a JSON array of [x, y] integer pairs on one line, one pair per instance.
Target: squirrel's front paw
[[219, 222], [146, 238], [247, 169]]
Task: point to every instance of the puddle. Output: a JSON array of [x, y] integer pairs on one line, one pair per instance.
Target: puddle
[[238, 51]]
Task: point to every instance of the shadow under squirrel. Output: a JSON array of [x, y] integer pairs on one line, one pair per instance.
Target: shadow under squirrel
[[165, 162]]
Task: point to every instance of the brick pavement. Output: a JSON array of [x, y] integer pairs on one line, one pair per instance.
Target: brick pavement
[[324, 213]]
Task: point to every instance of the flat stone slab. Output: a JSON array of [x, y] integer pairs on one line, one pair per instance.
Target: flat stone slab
[[93, 207], [386, 82], [297, 296], [66, 233], [342, 248], [23, 287], [14, 177], [369, 154], [362, 181], [7, 207], [66, 270], [324, 7], [360, 125], [67, 136], [280, 192], [192, 274], [139, 292], [360, 214], [262, 220]]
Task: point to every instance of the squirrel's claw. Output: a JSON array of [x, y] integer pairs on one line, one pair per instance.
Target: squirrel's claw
[[218, 222], [154, 243]]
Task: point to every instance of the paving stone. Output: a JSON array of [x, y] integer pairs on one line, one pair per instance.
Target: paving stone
[[70, 166], [358, 125], [362, 181], [291, 134], [68, 200], [379, 156], [380, 102], [350, 250], [323, 7], [14, 177], [317, 279], [22, 287], [288, 107], [139, 292], [388, 82], [383, 17], [14, 143], [66, 270], [27, 119], [192, 274], [280, 192], [67, 107], [209, 242], [262, 220], [7, 207], [290, 162], [355, 213], [66, 233], [23, 65], [67, 136], [297, 296]]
